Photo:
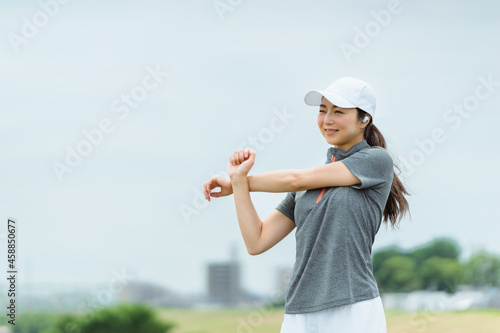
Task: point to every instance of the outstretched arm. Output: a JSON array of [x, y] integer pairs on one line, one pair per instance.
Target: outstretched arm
[[294, 180], [331, 174], [274, 181], [287, 180]]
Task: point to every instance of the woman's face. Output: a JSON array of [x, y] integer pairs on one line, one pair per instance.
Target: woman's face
[[349, 129]]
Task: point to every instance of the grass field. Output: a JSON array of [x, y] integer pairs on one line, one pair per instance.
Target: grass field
[[262, 320]]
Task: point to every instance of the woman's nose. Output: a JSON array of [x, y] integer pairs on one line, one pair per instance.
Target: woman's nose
[[329, 118]]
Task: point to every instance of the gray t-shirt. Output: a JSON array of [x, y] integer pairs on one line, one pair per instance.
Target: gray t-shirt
[[335, 231]]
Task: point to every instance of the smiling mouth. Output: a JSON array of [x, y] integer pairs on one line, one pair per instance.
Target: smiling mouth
[[331, 131]]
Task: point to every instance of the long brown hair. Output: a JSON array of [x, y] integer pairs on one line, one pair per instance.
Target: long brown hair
[[397, 205]]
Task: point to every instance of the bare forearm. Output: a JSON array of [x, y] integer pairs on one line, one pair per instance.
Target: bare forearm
[[274, 181], [248, 219]]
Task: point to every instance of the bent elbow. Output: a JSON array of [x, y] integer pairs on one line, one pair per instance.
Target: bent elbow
[[253, 252]]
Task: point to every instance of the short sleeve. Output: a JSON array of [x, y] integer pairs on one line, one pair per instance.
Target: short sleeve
[[287, 206], [373, 166]]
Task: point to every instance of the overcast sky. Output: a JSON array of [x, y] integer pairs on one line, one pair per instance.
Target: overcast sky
[[114, 114]]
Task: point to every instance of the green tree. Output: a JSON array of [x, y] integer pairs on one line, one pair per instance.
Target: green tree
[[440, 247], [124, 318], [33, 322], [482, 269], [441, 273], [397, 274], [380, 256]]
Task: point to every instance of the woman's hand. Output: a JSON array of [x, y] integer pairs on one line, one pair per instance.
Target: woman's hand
[[241, 162], [218, 181]]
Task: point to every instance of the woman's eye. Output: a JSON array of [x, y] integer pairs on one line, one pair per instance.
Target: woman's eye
[[335, 111]]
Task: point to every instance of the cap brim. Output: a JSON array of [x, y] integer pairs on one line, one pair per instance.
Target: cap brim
[[315, 97]]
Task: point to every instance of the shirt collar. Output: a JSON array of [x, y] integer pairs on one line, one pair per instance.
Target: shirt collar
[[340, 153]]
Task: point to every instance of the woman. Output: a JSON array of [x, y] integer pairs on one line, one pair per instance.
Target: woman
[[337, 208]]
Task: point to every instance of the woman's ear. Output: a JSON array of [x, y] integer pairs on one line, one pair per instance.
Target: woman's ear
[[365, 121]]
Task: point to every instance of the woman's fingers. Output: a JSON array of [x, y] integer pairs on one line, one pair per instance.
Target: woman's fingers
[[206, 189], [240, 156], [209, 186]]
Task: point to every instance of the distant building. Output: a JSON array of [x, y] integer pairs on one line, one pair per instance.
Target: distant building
[[224, 283]]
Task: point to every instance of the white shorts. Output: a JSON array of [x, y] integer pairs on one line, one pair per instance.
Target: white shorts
[[360, 317]]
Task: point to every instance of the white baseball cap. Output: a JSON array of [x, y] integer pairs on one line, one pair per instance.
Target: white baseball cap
[[346, 92]]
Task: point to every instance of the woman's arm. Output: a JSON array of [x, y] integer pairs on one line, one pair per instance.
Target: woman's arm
[[330, 174], [274, 181], [248, 219], [259, 236], [288, 180], [294, 180]]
